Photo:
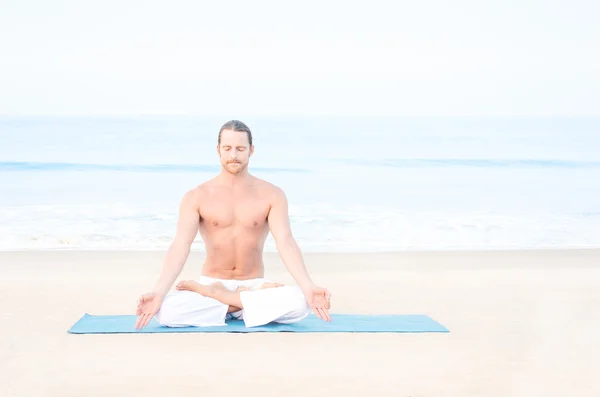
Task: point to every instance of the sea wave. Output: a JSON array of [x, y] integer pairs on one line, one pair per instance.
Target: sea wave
[[316, 228]]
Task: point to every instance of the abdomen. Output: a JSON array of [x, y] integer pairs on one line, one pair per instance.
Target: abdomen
[[234, 254]]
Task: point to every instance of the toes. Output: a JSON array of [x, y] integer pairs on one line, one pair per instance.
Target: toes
[[182, 285]]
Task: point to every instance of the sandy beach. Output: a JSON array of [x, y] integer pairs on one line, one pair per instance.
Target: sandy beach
[[522, 323]]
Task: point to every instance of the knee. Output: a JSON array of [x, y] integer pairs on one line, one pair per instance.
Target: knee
[[164, 316], [168, 314], [298, 305]]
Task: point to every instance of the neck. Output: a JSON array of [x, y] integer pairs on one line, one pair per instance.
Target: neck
[[229, 179]]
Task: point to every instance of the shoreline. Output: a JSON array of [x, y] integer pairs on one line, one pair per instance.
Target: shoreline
[[304, 252], [537, 257], [395, 250]]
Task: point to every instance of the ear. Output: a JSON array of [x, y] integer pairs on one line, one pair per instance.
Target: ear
[[251, 150], [218, 152]]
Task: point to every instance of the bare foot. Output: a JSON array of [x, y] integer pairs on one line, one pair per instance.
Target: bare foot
[[270, 285], [205, 290], [264, 286]]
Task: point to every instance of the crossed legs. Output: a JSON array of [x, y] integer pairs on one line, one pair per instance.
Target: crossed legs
[[218, 292], [199, 303]]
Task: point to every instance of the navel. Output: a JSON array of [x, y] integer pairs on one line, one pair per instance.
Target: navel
[[255, 223], [215, 223]]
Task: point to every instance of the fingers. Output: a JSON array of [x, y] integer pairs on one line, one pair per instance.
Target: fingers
[[141, 321], [327, 296], [320, 306], [144, 319], [139, 310], [324, 314], [147, 318], [316, 312], [138, 322]]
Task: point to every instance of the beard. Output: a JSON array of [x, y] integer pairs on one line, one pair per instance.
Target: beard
[[235, 167]]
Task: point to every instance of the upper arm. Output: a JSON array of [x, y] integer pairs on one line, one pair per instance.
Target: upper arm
[[188, 221], [279, 221]]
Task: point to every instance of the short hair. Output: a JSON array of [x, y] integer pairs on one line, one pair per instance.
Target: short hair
[[236, 125]]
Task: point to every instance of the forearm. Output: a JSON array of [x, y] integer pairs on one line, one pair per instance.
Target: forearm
[[175, 258], [292, 258]]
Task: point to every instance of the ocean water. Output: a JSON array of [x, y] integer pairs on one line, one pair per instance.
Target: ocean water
[[354, 184]]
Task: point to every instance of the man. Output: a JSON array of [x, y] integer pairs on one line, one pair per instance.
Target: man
[[233, 212]]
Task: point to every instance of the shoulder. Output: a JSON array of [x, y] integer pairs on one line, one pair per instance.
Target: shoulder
[[272, 192], [271, 188], [194, 196]]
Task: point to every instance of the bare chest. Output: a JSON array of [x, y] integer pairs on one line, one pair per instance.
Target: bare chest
[[225, 212]]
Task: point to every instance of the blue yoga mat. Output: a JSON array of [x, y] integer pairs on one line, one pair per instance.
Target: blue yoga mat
[[120, 324]]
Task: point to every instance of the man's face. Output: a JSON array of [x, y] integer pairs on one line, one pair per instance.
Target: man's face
[[234, 151]]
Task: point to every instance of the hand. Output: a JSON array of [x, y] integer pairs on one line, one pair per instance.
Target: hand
[[148, 306], [319, 301]]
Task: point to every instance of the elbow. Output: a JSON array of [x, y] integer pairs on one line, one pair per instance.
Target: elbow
[[179, 250], [285, 242]]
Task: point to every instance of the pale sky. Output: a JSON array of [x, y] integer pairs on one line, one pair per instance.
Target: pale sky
[[238, 58]]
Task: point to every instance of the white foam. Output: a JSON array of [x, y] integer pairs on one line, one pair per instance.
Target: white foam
[[318, 227]]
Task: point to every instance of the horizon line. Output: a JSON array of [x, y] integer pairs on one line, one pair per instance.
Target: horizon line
[[192, 115]]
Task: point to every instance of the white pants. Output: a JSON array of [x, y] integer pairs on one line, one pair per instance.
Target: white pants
[[283, 304]]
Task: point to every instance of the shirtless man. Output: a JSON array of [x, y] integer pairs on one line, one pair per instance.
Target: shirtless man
[[234, 213]]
